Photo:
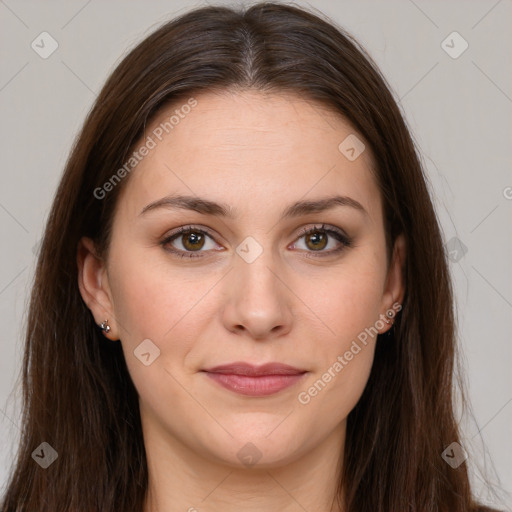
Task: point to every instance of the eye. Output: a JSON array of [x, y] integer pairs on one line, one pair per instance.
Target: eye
[[316, 239], [191, 239], [187, 240]]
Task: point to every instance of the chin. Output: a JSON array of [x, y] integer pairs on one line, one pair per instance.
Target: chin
[[255, 448]]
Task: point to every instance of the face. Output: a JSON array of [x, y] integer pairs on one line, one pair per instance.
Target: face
[[262, 275]]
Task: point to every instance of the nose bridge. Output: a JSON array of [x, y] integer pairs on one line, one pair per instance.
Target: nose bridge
[[257, 277], [255, 271]]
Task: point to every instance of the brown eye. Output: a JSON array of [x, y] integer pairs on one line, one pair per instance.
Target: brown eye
[[323, 241], [189, 242]]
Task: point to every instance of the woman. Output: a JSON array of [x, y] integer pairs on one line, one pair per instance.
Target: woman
[[242, 298]]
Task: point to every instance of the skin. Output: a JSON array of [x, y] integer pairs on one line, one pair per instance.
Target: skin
[[289, 305]]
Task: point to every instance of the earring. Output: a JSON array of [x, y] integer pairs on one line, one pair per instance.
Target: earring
[[389, 314], [105, 327]]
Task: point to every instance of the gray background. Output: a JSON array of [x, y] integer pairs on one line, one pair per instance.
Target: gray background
[[458, 109]]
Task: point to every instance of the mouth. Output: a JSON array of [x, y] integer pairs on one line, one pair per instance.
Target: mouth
[[247, 379]]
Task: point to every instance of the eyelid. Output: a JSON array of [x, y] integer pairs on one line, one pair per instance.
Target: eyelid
[[327, 228], [190, 227]]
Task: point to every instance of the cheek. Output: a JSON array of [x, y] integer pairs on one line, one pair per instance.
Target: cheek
[[345, 362], [153, 301], [349, 306], [347, 299]]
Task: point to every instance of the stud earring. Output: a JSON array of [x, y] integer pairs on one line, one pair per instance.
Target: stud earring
[[389, 314], [105, 327]]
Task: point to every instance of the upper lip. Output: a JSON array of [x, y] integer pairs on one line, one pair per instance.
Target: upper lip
[[241, 368]]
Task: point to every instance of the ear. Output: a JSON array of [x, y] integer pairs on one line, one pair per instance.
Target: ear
[[94, 286], [394, 290]]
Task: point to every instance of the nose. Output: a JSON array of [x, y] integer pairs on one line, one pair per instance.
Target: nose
[[258, 302]]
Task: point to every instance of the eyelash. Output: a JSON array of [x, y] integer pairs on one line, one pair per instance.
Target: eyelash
[[344, 240]]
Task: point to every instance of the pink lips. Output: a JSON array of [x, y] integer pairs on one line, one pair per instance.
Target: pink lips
[[246, 379]]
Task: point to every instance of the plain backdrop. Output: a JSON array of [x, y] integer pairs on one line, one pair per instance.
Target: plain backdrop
[[458, 106]]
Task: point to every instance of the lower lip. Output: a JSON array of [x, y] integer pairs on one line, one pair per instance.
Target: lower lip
[[262, 385]]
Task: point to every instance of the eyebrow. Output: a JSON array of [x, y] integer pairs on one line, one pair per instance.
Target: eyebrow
[[207, 207]]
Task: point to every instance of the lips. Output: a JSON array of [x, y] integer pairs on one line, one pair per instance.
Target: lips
[[250, 380], [254, 371]]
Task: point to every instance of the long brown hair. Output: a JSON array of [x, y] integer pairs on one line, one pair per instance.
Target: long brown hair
[[77, 393]]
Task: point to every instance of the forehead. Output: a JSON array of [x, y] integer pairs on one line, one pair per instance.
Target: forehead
[[269, 147]]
